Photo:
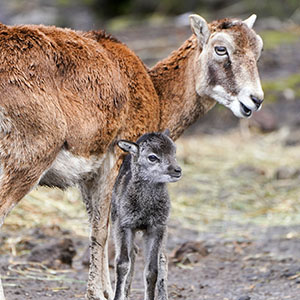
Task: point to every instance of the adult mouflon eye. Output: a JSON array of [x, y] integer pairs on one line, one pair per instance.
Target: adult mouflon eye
[[221, 51], [152, 158]]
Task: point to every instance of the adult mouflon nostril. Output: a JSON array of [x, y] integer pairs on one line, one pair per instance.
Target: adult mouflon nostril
[[257, 101]]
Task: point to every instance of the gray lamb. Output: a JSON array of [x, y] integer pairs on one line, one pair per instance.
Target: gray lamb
[[140, 202]]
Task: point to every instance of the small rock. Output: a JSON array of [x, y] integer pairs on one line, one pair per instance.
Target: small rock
[[244, 298]]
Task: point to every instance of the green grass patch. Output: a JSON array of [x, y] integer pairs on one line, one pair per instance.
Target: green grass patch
[[273, 39], [273, 88]]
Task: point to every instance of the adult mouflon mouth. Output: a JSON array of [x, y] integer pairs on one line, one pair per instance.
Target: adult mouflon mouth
[[246, 112]]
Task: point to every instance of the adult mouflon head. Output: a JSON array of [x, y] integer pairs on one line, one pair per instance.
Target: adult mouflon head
[[153, 158], [228, 53]]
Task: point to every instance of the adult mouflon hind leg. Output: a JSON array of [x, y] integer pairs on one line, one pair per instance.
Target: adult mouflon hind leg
[[29, 143], [13, 188]]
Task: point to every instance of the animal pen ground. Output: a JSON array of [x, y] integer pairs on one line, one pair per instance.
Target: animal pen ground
[[234, 231]]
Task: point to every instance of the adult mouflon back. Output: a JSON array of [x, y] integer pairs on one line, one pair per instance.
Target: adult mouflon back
[[140, 201]]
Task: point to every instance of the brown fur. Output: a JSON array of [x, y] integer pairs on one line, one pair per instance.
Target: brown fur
[[83, 95], [174, 78], [174, 81]]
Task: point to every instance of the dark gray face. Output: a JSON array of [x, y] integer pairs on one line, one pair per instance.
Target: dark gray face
[[154, 158], [157, 160]]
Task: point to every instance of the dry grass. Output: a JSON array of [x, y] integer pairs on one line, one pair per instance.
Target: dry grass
[[227, 179], [46, 207], [231, 178]]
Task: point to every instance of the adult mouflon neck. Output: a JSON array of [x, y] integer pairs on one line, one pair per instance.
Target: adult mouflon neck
[[174, 82]]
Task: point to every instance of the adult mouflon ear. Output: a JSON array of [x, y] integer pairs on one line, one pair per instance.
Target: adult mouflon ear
[[128, 146], [250, 21], [200, 28]]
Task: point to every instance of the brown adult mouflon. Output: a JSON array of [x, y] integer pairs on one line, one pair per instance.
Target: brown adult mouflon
[[66, 97]]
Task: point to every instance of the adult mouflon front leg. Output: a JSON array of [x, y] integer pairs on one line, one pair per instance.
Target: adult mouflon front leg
[[99, 286], [97, 196], [1, 289]]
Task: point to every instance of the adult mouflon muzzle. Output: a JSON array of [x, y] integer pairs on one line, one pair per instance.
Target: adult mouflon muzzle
[[250, 104], [257, 101]]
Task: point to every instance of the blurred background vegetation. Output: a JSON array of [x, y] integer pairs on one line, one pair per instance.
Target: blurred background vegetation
[[87, 14]]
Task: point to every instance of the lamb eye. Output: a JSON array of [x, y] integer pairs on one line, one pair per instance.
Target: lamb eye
[[152, 158], [221, 51]]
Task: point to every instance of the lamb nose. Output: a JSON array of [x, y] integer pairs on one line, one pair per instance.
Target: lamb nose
[[257, 101], [177, 169]]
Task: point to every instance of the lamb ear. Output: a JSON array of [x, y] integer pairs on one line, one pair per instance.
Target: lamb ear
[[128, 146], [167, 132], [250, 21], [200, 28]]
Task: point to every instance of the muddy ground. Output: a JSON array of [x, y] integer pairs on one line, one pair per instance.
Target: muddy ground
[[223, 260]]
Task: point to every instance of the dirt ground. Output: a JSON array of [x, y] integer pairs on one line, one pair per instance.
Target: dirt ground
[[250, 253], [263, 264]]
